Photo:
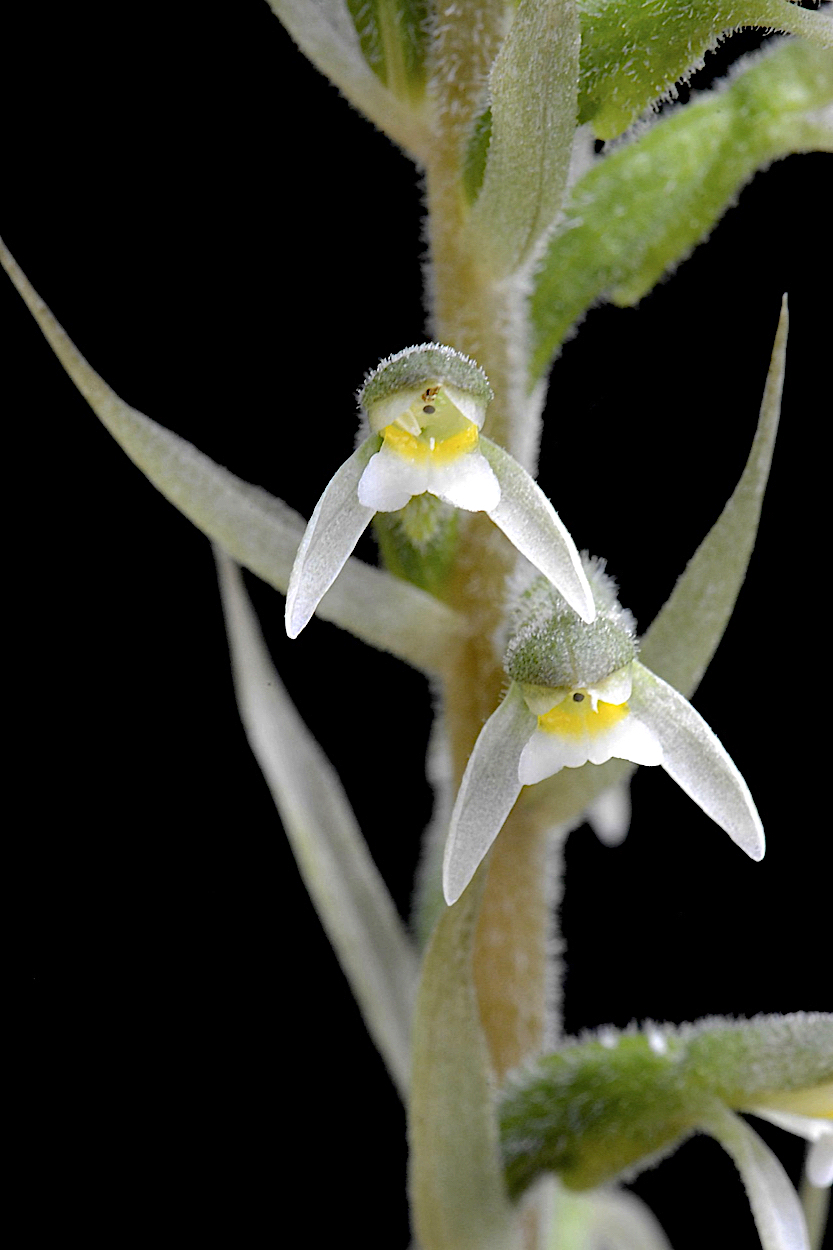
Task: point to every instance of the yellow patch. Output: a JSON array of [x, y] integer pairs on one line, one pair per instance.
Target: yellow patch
[[444, 433], [815, 1101], [572, 720]]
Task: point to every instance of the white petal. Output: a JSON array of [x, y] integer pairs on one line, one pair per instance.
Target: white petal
[[609, 815], [390, 480], [542, 699], [530, 522], [467, 482], [394, 409], [696, 759], [820, 1162], [629, 739], [774, 1202], [545, 754], [488, 791], [468, 405], [334, 528], [819, 1165], [621, 1221], [810, 1127], [614, 689]]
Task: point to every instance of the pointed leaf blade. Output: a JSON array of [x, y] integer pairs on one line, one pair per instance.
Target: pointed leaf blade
[[686, 631], [456, 1183], [533, 85], [535, 529], [344, 884], [326, 34], [259, 531], [698, 762]]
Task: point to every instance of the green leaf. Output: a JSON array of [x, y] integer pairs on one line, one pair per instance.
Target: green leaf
[[686, 632], [622, 228], [393, 35], [456, 1183], [352, 59], [349, 895], [617, 1102], [633, 51], [533, 85], [259, 531]]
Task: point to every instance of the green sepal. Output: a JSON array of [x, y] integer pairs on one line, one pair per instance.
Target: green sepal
[[419, 543], [622, 232], [634, 51], [393, 37], [619, 1101], [548, 644]]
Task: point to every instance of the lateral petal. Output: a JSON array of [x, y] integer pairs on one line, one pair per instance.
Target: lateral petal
[[774, 1202], [487, 793], [695, 758], [532, 525], [334, 528]]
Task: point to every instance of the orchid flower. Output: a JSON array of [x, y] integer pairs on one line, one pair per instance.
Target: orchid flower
[[425, 408], [578, 695]]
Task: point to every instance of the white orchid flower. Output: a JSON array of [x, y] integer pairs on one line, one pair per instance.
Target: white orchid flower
[[579, 696], [425, 407]]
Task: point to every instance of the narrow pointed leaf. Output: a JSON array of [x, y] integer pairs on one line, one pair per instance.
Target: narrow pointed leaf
[[487, 792], [696, 759], [325, 33], [686, 631], [774, 1202], [336, 525], [346, 889], [261, 532], [634, 51], [532, 525], [456, 1183], [533, 86], [622, 232]]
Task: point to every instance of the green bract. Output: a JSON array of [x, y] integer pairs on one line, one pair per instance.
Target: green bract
[[633, 51], [413, 367], [593, 1110], [548, 645]]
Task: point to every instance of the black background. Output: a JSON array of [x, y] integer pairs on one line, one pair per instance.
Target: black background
[[232, 246]]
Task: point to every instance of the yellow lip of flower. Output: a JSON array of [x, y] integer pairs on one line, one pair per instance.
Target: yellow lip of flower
[[575, 716], [441, 435]]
